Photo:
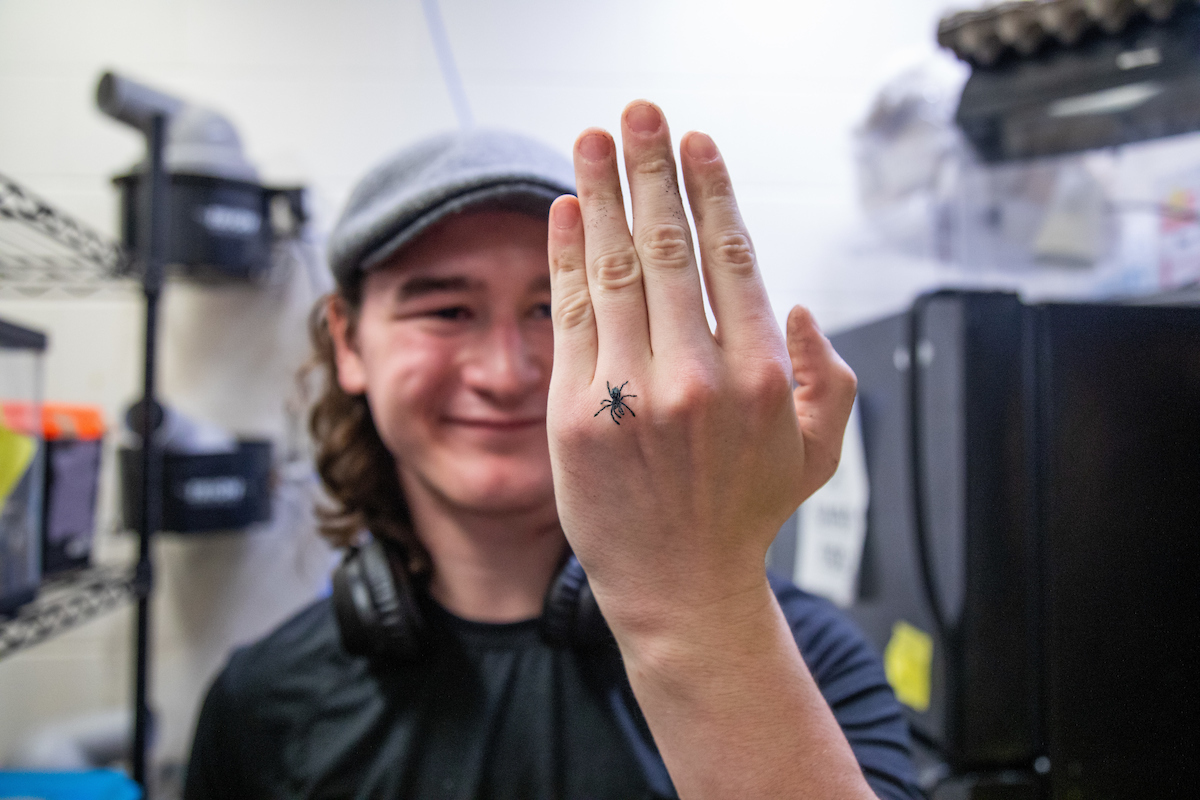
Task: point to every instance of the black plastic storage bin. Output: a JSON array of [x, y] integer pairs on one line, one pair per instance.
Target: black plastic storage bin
[[207, 492], [74, 437], [218, 229], [21, 458]]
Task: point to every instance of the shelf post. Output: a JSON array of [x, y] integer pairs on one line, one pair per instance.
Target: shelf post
[[152, 247]]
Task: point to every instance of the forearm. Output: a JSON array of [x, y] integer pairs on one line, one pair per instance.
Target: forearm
[[732, 706], [672, 510]]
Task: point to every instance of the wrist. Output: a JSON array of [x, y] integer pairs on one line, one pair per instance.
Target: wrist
[[672, 631], [692, 587]]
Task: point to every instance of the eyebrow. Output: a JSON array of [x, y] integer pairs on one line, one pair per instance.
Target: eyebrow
[[420, 285]]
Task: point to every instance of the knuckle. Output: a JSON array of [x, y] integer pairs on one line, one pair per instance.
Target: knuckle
[[718, 187], [616, 270], [764, 386], [571, 435], [565, 262], [734, 253], [837, 381], [721, 188], [848, 380], [598, 195], [573, 310], [657, 165], [717, 200], [691, 393], [666, 245]]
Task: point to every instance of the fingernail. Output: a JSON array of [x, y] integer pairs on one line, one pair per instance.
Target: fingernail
[[565, 214], [595, 147], [644, 118], [701, 147]]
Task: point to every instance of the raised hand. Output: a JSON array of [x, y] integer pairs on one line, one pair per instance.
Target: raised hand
[[678, 453], [711, 452]]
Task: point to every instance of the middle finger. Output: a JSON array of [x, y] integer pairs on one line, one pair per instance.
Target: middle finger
[[661, 233]]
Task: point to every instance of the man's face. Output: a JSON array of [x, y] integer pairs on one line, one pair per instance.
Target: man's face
[[453, 349]]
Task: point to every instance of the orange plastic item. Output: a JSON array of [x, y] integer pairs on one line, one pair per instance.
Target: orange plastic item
[[59, 420], [67, 421]]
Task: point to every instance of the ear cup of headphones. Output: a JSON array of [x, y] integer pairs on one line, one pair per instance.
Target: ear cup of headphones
[[377, 615], [570, 614]]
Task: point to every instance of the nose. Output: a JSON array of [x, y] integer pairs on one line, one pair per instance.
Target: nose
[[505, 367]]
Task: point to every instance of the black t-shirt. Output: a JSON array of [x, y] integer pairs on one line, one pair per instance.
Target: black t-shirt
[[490, 711]]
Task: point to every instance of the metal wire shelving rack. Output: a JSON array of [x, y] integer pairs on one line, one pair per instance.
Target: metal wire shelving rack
[[63, 603], [45, 252]]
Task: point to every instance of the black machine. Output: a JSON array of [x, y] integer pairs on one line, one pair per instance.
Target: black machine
[[1062, 76], [1048, 546]]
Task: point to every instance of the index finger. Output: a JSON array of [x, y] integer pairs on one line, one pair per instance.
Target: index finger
[[735, 288]]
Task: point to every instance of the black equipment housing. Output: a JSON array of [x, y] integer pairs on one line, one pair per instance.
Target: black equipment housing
[[1056, 567]]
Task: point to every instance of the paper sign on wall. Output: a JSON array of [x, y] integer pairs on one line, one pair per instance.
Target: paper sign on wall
[[833, 525]]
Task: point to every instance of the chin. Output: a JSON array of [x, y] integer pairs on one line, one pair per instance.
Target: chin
[[507, 499], [503, 488], [511, 506]]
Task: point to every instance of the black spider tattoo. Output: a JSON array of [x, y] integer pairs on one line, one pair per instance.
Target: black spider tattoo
[[615, 403]]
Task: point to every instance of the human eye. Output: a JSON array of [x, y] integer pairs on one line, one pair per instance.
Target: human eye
[[454, 313], [540, 311]]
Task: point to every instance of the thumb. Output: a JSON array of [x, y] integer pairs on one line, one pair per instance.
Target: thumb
[[824, 395]]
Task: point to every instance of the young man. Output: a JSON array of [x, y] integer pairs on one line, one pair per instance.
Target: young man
[[489, 405]]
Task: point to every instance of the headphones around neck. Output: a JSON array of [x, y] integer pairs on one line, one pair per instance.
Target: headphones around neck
[[378, 616]]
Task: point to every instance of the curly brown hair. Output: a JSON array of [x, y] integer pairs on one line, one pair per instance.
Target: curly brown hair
[[356, 467]]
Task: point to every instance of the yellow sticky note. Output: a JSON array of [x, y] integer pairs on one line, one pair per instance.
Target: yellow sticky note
[[908, 663], [16, 451]]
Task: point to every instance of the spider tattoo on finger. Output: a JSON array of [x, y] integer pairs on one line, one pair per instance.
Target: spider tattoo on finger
[[615, 403]]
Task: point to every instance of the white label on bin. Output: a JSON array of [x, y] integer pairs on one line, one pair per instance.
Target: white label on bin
[[833, 525], [230, 220], [226, 490]]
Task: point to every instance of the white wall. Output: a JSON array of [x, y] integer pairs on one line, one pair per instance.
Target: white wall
[[322, 90]]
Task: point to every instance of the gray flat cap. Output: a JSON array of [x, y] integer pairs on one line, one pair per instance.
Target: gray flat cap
[[443, 175]]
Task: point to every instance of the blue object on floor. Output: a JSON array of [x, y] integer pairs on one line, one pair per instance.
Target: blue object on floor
[[98, 784]]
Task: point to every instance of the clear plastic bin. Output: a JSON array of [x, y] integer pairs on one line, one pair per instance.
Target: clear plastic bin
[[21, 470]]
